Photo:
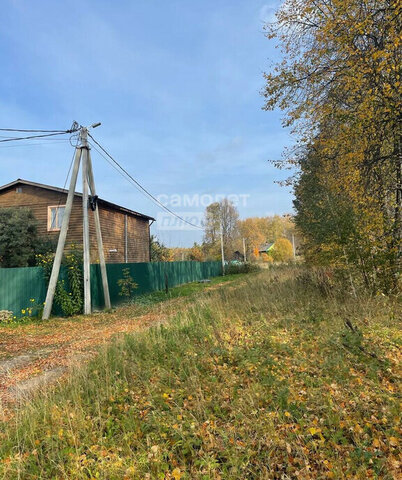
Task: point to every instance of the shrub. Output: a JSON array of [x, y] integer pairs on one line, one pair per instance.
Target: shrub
[[320, 280], [266, 258], [246, 267], [33, 310], [19, 240], [18, 237], [126, 284], [282, 251], [69, 299]]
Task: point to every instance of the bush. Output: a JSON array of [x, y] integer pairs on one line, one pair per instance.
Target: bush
[[126, 284], [70, 300], [318, 279], [282, 251], [246, 267], [19, 240], [18, 237], [266, 258], [45, 245]]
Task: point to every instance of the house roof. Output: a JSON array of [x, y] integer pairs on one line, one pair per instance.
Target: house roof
[[265, 247], [113, 206]]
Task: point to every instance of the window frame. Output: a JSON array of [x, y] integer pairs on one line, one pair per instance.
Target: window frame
[[49, 217]]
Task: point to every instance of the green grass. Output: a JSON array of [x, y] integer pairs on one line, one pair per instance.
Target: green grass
[[257, 379], [186, 290], [140, 303]]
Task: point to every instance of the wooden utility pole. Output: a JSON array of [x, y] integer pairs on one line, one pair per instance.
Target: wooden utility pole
[[85, 222], [62, 238], [81, 154], [222, 252], [99, 240], [294, 247], [244, 249]]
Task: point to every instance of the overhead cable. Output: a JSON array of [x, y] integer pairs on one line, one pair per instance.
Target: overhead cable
[[143, 190]]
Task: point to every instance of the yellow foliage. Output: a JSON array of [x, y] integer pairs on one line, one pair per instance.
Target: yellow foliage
[[282, 251], [266, 258], [339, 85]]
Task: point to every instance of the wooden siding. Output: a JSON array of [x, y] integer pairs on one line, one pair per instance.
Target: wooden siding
[[137, 230], [112, 223]]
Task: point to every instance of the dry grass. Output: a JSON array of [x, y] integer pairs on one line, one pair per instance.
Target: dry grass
[[35, 353], [262, 380]]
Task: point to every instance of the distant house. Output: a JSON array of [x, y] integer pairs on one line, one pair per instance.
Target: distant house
[[238, 256], [266, 247], [125, 233]]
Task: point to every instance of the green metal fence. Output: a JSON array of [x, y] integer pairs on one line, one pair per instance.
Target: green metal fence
[[150, 277], [19, 285]]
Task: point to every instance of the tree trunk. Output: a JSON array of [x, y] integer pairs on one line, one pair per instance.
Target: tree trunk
[[397, 237]]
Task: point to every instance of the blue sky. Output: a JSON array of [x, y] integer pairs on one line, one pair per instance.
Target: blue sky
[[175, 84]]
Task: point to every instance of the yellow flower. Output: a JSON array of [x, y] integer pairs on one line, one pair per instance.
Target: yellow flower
[[23, 312], [176, 474]]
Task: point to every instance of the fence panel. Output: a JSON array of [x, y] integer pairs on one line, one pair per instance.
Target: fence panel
[[150, 277], [19, 285]]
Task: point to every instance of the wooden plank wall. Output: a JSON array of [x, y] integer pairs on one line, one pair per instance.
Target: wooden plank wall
[[112, 223], [137, 232]]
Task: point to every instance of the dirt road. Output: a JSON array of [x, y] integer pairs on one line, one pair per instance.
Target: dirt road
[[35, 354]]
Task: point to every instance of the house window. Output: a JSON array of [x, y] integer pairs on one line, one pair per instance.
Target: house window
[[18, 189], [55, 218]]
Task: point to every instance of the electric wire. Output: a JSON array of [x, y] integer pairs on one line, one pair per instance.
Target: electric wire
[[30, 131], [44, 136], [122, 171], [45, 133], [139, 187], [118, 170], [8, 136], [50, 142], [12, 139], [68, 173]]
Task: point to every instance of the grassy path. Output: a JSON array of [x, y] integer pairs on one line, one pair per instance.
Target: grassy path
[[35, 354], [261, 379]]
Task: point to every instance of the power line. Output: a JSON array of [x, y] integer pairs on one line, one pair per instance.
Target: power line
[[138, 185], [30, 131], [45, 133], [49, 142], [75, 127], [8, 136], [12, 139], [68, 173]]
